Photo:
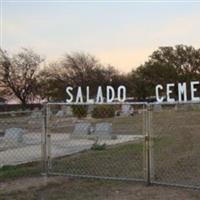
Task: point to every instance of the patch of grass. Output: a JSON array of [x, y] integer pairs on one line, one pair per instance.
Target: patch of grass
[[161, 143], [24, 170], [125, 160], [98, 147], [176, 147]]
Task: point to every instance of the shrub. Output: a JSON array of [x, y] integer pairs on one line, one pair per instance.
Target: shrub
[[103, 111], [98, 147], [79, 111]]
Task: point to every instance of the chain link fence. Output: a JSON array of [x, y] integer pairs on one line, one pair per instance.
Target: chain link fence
[[175, 138], [20, 143], [155, 143], [105, 141]]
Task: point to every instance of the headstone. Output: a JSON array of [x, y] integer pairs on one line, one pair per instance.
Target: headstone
[[68, 111], [49, 113], [131, 111], [36, 109], [81, 130], [13, 114], [35, 114], [157, 108], [103, 130], [14, 136], [60, 114], [90, 108], [127, 110], [194, 107]]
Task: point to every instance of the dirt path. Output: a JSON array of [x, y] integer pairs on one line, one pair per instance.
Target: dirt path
[[75, 189], [24, 184]]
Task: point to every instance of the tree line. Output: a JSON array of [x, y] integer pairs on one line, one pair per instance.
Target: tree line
[[25, 76]]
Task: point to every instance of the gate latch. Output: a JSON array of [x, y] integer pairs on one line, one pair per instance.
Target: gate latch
[[146, 138]]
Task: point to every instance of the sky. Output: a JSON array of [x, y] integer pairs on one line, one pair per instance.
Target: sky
[[123, 34]]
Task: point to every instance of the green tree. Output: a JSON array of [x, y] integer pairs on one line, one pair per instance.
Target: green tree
[[167, 64]]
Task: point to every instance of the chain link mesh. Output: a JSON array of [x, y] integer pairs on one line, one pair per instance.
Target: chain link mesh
[[97, 140], [175, 153], [20, 143], [104, 141]]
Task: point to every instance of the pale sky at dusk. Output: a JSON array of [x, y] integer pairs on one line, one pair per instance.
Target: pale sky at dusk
[[120, 34]]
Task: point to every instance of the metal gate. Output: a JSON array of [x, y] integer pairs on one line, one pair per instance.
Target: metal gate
[[175, 144], [155, 143], [97, 140]]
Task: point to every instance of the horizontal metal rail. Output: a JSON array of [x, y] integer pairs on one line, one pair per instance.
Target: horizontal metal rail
[[96, 177], [176, 185], [104, 103], [126, 103]]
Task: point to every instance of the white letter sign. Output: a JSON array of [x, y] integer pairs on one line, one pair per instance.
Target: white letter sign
[[110, 94], [180, 93], [68, 90], [158, 98], [79, 97], [182, 90], [169, 91], [121, 93], [193, 90]]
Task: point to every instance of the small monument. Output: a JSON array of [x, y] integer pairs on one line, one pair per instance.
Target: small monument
[[68, 111], [81, 130], [127, 110], [157, 107], [13, 136], [103, 130], [36, 114], [60, 114]]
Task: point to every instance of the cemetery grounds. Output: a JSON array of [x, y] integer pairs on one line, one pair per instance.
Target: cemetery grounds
[[175, 136]]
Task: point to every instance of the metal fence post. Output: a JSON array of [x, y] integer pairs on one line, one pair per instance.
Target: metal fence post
[[48, 140], [151, 146], [44, 140], [146, 147]]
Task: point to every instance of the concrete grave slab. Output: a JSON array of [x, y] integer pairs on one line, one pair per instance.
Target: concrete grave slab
[[157, 108], [13, 136], [103, 130], [60, 114], [81, 130], [36, 114]]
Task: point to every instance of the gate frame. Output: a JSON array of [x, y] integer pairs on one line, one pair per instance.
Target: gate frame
[[151, 153], [147, 132], [145, 142]]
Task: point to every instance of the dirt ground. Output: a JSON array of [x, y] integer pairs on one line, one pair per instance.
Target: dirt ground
[[58, 188]]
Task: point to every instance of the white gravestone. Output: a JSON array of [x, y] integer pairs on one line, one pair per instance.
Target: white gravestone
[[68, 111], [14, 136], [60, 114], [127, 110], [13, 114], [36, 114], [157, 108], [90, 108], [81, 130], [103, 130]]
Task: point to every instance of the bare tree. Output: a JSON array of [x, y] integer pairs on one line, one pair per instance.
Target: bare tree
[[18, 74], [76, 69]]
